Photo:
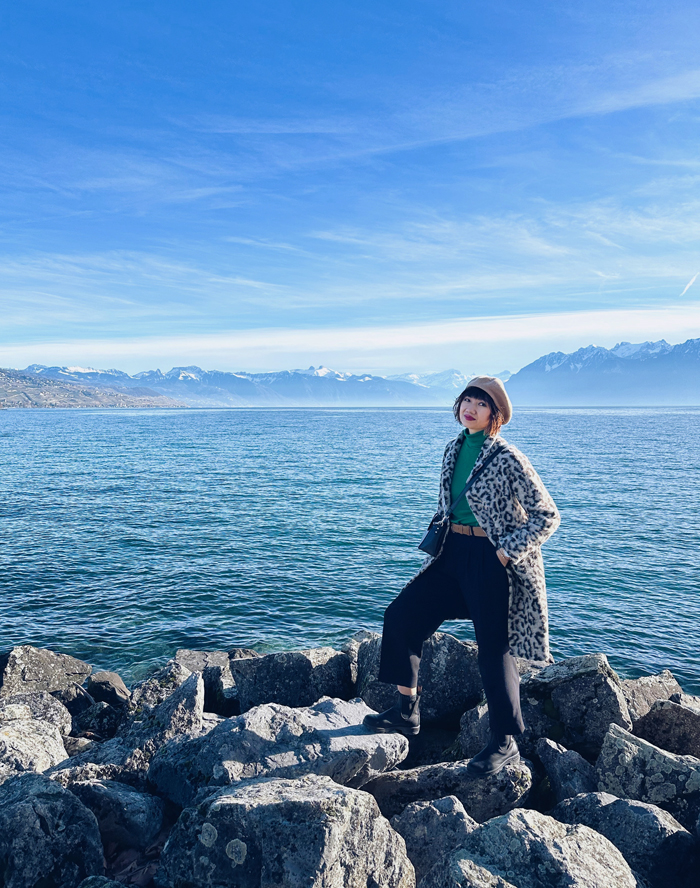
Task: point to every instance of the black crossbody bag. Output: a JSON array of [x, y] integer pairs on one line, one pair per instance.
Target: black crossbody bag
[[438, 527]]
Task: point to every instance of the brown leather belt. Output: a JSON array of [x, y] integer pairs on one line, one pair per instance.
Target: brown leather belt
[[469, 531]]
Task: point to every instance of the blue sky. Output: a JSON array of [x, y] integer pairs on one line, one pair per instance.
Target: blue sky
[[385, 186]]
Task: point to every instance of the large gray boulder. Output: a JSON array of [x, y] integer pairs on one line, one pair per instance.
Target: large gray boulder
[[449, 676], [278, 741], [653, 843], [130, 752], [27, 744], [108, 687], [641, 693], [155, 690], [573, 702], [569, 773], [482, 799], [47, 836], [26, 669], [671, 726], [220, 692], [286, 833], [292, 678], [43, 707], [432, 830], [531, 850], [629, 767], [126, 817]]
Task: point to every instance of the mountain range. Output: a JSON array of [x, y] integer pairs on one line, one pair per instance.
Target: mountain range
[[630, 374], [317, 386]]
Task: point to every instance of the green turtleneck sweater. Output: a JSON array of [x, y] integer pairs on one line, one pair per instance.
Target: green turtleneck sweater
[[471, 445]]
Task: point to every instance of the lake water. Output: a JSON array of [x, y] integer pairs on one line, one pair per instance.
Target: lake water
[[128, 534]]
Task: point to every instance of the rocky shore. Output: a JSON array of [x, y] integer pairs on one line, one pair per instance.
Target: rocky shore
[[227, 768]]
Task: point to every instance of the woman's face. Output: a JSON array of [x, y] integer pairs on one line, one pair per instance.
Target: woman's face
[[474, 414]]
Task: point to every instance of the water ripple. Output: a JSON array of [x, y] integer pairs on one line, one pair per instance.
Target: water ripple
[[128, 534]]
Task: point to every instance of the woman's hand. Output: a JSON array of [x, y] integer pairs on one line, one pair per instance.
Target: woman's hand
[[502, 557]]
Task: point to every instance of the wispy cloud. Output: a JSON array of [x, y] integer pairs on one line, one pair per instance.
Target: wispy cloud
[[689, 284], [273, 348]]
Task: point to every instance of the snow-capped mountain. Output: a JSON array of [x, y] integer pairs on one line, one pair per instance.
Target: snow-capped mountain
[[641, 350], [628, 374], [213, 388]]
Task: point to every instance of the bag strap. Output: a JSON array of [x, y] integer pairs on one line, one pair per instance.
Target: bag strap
[[467, 487]]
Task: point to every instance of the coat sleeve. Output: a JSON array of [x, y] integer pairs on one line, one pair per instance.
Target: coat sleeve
[[542, 514]]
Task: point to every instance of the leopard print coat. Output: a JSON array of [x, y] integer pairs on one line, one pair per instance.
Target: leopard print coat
[[512, 505]]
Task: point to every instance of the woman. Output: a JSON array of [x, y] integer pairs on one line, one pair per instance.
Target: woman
[[489, 570]]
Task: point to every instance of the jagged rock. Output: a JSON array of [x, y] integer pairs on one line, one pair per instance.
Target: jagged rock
[[531, 850], [652, 842], [69, 774], [569, 773], [155, 690], [671, 726], [220, 692], [178, 716], [449, 675], [474, 730], [75, 698], [125, 816], [26, 669], [286, 833], [458, 871], [640, 693], [278, 741], [209, 721], [431, 830], [100, 882], [108, 687], [629, 767], [351, 647], [43, 707], [572, 702], [293, 678], [101, 720], [686, 700], [27, 744], [74, 745], [47, 836], [481, 798], [242, 653]]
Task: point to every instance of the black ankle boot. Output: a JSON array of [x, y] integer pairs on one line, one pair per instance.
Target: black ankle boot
[[403, 717], [501, 750]]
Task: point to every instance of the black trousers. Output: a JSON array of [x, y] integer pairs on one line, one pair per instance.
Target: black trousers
[[467, 581]]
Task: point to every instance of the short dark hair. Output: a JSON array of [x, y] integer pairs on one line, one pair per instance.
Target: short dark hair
[[472, 391]]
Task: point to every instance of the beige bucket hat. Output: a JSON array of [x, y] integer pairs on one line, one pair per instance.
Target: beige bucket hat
[[493, 386]]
